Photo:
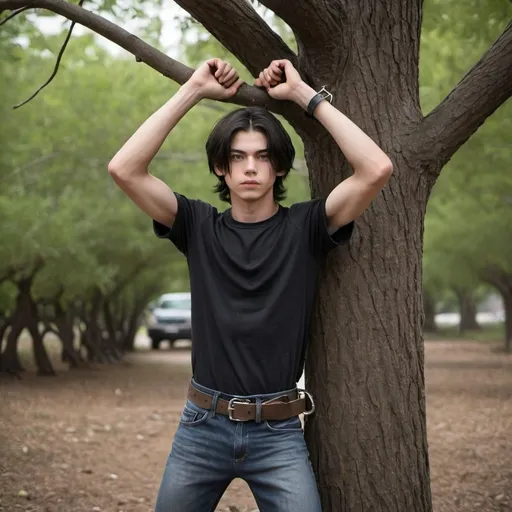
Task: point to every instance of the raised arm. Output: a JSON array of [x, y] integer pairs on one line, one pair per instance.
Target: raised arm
[[372, 167], [215, 79]]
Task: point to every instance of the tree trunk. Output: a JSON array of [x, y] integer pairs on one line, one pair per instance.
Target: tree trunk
[[44, 365], [92, 337], [507, 300], [502, 281], [365, 366], [366, 363], [131, 331], [468, 311], [64, 321], [429, 311], [30, 313], [10, 362]]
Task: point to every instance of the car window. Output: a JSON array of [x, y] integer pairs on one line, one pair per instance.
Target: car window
[[175, 304]]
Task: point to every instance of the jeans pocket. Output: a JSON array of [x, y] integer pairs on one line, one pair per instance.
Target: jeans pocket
[[292, 424], [193, 415]]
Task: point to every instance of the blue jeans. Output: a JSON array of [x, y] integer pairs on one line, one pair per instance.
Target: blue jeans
[[210, 450]]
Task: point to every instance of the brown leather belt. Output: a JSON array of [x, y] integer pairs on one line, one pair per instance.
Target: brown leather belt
[[240, 409]]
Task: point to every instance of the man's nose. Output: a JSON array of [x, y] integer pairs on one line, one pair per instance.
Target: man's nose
[[251, 165]]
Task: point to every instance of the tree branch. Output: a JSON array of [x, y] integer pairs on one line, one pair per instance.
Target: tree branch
[[307, 19], [236, 25], [319, 30], [16, 12], [483, 89], [143, 52]]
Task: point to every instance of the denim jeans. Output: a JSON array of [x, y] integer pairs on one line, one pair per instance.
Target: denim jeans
[[210, 450]]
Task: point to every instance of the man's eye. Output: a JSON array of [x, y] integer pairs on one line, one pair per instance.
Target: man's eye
[[236, 157], [264, 157]]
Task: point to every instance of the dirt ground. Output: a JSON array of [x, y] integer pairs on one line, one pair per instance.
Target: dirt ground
[[97, 440]]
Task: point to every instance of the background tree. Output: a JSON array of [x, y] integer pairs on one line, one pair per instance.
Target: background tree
[[468, 220], [365, 364]]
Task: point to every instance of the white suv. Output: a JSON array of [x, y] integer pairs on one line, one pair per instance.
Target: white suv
[[170, 319]]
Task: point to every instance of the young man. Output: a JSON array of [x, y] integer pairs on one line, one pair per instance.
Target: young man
[[253, 274]]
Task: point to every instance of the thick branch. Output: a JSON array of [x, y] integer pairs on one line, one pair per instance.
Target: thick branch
[[241, 30], [483, 89], [143, 52], [308, 20]]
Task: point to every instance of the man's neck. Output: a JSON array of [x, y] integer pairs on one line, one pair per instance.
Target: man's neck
[[253, 211]]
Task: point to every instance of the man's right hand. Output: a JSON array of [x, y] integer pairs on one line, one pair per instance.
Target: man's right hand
[[215, 80]]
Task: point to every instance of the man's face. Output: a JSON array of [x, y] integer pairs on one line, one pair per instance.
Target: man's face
[[252, 175]]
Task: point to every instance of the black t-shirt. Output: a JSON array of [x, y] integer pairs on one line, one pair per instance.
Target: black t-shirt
[[253, 287]]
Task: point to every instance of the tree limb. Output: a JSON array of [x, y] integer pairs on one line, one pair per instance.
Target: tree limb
[[143, 52], [308, 20], [483, 89], [16, 12], [236, 25]]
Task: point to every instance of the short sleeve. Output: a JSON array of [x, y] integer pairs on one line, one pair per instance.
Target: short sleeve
[[311, 218], [191, 213]]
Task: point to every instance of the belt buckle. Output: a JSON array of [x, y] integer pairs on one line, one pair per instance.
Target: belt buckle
[[231, 407], [303, 394]]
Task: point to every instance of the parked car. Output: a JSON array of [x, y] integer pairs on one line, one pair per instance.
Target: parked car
[[170, 319]]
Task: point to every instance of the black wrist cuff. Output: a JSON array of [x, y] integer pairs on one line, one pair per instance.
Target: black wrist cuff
[[315, 100]]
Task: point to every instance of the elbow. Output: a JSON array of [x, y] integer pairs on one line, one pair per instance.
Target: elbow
[[382, 171], [118, 172], [113, 170]]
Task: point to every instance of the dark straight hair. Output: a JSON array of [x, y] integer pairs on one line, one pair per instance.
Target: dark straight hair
[[280, 148]]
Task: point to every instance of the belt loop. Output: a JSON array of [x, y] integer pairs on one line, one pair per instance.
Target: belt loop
[[258, 410], [213, 410]]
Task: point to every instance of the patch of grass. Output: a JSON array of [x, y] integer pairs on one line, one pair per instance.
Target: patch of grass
[[488, 333]]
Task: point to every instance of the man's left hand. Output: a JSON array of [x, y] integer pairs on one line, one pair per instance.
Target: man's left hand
[[272, 76]]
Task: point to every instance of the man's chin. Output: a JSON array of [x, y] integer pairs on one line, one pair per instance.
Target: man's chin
[[250, 195]]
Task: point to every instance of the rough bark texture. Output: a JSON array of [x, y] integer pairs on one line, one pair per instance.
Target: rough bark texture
[[365, 365], [265, 45]]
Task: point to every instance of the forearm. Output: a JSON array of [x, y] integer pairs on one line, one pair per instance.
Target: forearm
[[359, 149], [137, 153]]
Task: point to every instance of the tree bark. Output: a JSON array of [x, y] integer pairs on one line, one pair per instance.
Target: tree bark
[[230, 22], [365, 364], [467, 308], [429, 311]]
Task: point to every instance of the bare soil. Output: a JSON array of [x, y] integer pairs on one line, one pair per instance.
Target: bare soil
[[98, 439]]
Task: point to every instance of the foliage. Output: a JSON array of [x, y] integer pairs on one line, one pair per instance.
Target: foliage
[[469, 213]]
